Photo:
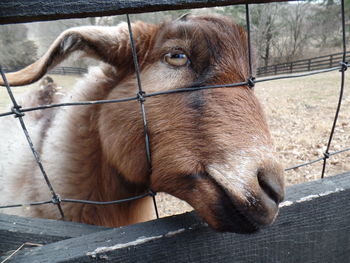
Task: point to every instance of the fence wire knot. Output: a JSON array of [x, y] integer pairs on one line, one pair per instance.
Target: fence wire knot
[[140, 96], [152, 193], [251, 82], [56, 199], [326, 155], [17, 111], [344, 66]]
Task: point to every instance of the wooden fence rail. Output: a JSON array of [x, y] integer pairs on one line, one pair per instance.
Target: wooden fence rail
[[21, 11], [313, 226], [316, 63]]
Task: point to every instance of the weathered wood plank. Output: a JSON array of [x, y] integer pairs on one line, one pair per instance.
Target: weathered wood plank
[[15, 231], [313, 226], [21, 11]]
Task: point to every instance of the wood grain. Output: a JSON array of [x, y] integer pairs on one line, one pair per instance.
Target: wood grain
[[15, 231]]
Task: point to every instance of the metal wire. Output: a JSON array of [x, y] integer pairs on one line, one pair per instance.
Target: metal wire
[[316, 160], [185, 89], [141, 96], [135, 98], [344, 65], [89, 202], [251, 79]]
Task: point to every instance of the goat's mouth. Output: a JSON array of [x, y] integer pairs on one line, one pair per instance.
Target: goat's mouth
[[229, 217], [226, 214], [223, 211]]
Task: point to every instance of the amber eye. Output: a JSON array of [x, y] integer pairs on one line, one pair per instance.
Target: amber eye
[[176, 59]]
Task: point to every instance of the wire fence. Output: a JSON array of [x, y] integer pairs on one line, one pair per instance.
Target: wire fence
[[18, 112]]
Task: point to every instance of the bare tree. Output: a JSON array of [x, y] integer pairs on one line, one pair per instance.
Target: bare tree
[[295, 37], [265, 28], [326, 26]]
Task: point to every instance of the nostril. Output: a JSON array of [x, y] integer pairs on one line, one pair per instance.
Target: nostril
[[271, 187]]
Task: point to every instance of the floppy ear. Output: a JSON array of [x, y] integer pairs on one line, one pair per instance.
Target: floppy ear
[[108, 44]]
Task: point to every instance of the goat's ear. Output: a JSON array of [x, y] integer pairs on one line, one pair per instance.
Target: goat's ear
[[108, 44]]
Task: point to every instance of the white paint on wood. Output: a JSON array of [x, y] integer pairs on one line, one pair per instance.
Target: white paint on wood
[[136, 242], [310, 197]]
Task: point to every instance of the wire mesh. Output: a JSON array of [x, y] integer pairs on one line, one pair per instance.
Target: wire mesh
[[18, 112]]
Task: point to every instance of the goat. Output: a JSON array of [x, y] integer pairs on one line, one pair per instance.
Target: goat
[[211, 148]]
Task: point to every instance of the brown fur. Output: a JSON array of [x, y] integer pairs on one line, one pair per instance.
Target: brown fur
[[211, 148]]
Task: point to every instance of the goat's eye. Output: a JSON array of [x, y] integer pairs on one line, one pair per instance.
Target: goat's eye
[[176, 59]]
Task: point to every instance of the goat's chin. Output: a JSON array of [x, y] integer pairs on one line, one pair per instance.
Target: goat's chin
[[227, 217], [234, 226], [224, 216]]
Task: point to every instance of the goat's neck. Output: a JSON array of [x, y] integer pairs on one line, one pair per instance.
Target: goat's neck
[[110, 185], [84, 168]]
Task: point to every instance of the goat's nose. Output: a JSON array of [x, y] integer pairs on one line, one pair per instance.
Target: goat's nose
[[272, 183]]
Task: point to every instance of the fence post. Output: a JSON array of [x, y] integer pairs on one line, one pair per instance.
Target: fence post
[[331, 61], [275, 69], [309, 65], [291, 67]]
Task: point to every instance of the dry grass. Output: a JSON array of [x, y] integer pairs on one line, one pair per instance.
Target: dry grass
[[300, 113]]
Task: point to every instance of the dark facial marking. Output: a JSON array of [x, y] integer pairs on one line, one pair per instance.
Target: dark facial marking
[[196, 100]]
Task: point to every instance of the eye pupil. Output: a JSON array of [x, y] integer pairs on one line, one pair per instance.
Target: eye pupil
[[176, 59], [178, 56]]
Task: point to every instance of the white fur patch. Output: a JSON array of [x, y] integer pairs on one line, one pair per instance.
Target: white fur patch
[[238, 171], [237, 174]]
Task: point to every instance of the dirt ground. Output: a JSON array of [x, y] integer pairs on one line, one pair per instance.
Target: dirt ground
[[300, 114]]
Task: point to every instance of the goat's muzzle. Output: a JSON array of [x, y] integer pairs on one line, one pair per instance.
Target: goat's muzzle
[[246, 204]]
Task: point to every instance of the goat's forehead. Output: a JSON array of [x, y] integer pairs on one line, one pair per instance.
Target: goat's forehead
[[199, 29]]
